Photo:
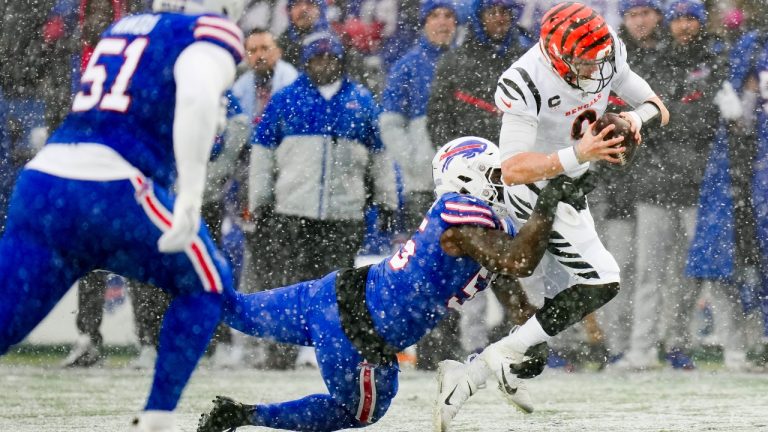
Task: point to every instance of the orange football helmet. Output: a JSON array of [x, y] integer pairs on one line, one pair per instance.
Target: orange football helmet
[[579, 45]]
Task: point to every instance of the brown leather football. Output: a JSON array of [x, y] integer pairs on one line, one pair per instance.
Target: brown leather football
[[622, 129]]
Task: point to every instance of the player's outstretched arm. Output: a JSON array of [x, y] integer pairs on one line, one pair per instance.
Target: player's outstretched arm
[[202, 72], [532, 166], [519, 255]]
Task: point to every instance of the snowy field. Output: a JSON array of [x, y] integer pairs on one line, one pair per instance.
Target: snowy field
[[41, 397]]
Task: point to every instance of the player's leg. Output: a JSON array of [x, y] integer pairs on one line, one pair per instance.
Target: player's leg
[[195, 278], [359, 392], [593, 280], [33, 276], [593, 276], [277, 314], [87, 350], [682, 293], [32, 281]]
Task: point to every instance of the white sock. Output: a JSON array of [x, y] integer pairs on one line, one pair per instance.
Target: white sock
[[531, 333]]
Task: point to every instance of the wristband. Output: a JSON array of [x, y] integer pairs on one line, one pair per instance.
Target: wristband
[[568, 158], [647, 111]]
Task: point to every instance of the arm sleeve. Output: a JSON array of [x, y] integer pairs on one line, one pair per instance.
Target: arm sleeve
[[202, 73], [382, 166], [520, 104], [260, 177], [394, 136], [517, 135]]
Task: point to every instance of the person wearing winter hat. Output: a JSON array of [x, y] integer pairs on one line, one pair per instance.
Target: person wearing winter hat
[[626, 6], [686, 19], [643, 33], [690, 72], [316, 141], [403, 122], [461, 101], [304, 17], [404, 133]]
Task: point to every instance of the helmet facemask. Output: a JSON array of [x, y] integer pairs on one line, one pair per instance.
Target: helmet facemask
[[590, 76]]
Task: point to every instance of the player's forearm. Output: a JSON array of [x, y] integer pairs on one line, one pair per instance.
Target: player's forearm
[[516, 256], [529, 167]]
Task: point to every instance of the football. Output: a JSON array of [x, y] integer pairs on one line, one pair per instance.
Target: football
[[622, 129]]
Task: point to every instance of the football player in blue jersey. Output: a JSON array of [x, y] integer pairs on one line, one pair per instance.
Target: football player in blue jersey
[[358, 319], [97, 195]]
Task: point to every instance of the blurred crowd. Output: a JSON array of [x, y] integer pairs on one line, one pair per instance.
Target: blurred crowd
[[385, 83]]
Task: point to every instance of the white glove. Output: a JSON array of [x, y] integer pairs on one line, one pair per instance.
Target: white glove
[[184, 227], [728, 102]]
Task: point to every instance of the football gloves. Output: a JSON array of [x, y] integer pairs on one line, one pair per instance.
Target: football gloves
[[568, 190]]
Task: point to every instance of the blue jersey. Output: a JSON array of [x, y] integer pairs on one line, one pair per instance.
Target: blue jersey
[[410, 292], [127, 94]]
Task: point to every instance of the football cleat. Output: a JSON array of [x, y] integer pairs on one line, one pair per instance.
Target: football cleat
[[454, 387], [512, 368], [226, 415]]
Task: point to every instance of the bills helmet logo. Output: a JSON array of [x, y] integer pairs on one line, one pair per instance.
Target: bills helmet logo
[[466, 149]]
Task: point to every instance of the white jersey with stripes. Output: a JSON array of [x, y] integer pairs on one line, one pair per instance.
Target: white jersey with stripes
[[552, 113]]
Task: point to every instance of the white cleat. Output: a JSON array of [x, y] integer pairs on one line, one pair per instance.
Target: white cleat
[[513, 388], [454, 387], [512, 368]]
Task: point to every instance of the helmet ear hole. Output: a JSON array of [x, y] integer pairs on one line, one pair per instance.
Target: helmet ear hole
[[465, 179]]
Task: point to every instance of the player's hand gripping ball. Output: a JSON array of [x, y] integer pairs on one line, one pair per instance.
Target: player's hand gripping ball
[[630, 145]]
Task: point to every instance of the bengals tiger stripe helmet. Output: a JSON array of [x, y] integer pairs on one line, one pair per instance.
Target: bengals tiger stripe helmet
[[578, 43]]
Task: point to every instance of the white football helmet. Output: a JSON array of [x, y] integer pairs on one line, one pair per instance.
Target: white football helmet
[[470, 165], [232, 9]]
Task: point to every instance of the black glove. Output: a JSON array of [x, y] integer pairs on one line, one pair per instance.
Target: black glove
[[574, 191], [559, 189]]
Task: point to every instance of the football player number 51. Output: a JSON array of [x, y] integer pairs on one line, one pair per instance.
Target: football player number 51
[[95, 74]]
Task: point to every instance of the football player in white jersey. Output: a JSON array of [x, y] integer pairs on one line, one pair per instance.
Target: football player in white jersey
[[550, 99]]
